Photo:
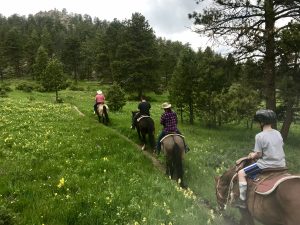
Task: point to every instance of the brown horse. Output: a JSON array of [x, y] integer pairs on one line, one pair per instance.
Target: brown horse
[[173, 147], [281, 207], [102, 112]]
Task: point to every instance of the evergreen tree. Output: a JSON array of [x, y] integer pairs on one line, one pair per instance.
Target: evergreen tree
[[184, 82], [116, 96], [53, 78], [13, 49], [41, 62], [136, 62], [249, 27]]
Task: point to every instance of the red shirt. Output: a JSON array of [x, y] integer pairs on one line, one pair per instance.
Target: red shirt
[[100, 98]]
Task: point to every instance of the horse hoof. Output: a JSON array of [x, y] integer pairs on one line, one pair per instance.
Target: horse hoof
[[143, 147]]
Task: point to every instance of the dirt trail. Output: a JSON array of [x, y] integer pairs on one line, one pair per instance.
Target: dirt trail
[[161, 168]]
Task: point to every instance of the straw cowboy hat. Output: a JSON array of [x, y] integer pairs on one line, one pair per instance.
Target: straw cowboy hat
[[166, 105], [99, 92]]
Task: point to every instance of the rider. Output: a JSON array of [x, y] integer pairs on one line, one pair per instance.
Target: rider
[[144, 110], [268, 150], [99, 99], [169, 120]]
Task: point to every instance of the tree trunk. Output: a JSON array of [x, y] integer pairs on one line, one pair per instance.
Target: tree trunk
[[1, 75], [269, 61], [181, 115], [56, 94], [191, 113], [287, 120]]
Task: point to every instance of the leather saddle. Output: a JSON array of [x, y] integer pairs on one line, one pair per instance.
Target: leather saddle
[[268, 180], [141, 117]]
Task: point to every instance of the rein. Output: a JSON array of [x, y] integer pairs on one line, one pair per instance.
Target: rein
[[230, 193], [229, 196]]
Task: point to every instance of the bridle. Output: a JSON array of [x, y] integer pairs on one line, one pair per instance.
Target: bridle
[[229, 196]]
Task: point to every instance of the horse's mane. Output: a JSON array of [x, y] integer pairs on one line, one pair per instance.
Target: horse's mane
[[239, 164]]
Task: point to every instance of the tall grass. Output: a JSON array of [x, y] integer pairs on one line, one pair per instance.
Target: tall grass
[[58, 167]]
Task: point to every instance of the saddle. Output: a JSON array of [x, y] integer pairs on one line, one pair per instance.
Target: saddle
[[269, 180], [171, 134], [141, 117], [100, 107]]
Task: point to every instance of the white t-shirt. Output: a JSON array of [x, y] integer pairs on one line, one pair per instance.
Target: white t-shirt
[[270, 144]]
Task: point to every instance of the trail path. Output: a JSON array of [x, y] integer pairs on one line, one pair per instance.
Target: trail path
[[157, 164]]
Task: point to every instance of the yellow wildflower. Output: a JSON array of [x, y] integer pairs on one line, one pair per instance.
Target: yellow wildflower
[[61, 182]]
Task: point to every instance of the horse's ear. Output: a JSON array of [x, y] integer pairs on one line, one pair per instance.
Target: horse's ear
[[217, 178]]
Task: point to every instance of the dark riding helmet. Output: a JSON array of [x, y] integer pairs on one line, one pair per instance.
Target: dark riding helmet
[[265, 116]]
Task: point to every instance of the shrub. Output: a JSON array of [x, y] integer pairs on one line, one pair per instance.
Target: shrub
[[6, 217], [74, 87], [4, 88], [3, 93], [116, 97], [26, 87]]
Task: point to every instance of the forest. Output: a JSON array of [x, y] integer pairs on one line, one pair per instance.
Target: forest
[[57, 49]]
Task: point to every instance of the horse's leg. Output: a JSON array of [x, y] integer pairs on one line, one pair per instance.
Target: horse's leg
[[144, 140], [168, 165], [152, 141], [106, 119], [139, 132], [246, 218]]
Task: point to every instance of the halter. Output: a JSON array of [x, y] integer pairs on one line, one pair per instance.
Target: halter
[[229, 197]]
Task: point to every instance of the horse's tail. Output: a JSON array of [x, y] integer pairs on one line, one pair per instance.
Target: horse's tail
[[151, 130], [177, 159], [105, 113]]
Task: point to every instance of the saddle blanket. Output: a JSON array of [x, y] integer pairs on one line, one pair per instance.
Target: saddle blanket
[[268, 184], [171, 135], [138, 119]]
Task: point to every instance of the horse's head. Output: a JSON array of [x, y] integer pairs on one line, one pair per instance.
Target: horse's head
[[133, 113], [221, 192], [224, 188]]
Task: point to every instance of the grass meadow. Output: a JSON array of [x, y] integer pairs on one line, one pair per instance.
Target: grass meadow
[[58, 167]]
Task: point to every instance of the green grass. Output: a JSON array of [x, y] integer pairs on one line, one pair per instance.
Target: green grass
[[106, 179]]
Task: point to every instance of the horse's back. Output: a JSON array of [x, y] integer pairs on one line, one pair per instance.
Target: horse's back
[[170, 141], [146, 124]]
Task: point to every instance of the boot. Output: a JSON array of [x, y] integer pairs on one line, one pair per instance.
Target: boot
[[187, 149]]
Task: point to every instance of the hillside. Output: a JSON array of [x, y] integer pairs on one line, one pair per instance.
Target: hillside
[[61, 167]]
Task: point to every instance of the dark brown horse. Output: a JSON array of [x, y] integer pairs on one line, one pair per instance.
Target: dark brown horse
[[145, 126], [173, 147], [281, 207], [102, 112]]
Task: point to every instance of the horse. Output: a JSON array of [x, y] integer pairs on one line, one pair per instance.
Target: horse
[[279, 207], [145, 125], [174, 148], [102, 112]]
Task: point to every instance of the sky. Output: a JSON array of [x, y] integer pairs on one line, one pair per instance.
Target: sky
[[168, 18]]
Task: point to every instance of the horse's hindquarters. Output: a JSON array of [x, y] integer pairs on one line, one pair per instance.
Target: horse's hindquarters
[[288, 197], [168, 143], [279, 207]]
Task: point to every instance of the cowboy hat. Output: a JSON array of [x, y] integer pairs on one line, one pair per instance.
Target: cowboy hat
[[99, 92], [166, 105]]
